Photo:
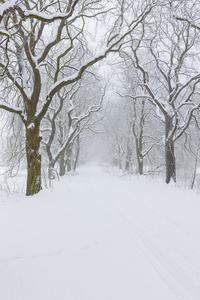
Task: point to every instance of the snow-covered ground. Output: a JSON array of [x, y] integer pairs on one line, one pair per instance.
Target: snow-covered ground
[[101, 237]]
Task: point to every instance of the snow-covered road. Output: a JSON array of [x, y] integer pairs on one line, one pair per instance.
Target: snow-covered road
[[101, 237]]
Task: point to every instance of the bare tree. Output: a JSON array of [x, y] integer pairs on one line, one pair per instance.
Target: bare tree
[[165, 55]]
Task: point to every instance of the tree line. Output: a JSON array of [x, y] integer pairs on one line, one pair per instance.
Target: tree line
[[50, 83]]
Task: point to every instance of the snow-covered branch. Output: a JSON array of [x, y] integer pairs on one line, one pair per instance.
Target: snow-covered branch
[[187, 122], [13, 109], [45, 17], [7, 5]]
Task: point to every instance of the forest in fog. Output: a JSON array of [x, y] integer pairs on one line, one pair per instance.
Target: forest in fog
[[114, 81]]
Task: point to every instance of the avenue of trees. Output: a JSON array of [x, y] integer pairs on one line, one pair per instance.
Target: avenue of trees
[[55, 95]]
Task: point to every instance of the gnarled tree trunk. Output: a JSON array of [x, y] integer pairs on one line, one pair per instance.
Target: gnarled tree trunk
[[34, 183]]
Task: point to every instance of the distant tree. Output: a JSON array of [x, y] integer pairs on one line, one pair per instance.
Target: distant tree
[[139, 112], [114, 126], [64, 123]]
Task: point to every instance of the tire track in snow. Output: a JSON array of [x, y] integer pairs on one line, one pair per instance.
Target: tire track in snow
[[153, 254], [156, 262]]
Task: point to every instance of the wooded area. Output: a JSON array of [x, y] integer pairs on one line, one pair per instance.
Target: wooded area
[[122, 75]]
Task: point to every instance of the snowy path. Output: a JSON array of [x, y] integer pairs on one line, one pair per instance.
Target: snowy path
[[99, 237]]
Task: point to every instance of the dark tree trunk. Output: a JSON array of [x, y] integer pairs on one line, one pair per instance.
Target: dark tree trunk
[[170, 162], [169, 151], [34, 184], [140, 160], [62, 165], [140, 166]]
